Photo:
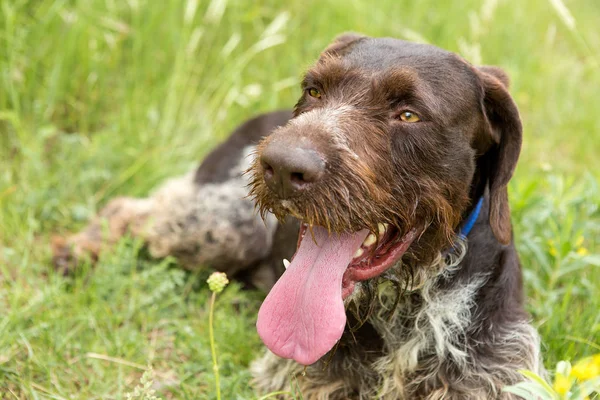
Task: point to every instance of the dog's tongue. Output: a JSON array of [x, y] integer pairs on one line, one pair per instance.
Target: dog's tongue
[[303, 316]]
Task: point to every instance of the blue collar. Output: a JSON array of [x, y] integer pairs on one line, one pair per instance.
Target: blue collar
[[470, 221]]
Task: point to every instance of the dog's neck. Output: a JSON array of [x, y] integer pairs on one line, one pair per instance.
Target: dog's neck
[[392, 321], [469, 222]]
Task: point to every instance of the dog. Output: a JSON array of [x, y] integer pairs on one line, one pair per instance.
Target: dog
[[406, 283], [389, 179]]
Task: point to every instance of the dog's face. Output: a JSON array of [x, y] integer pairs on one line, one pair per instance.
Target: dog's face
[[389, 143]]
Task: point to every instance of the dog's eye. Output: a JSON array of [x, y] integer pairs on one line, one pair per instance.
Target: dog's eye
[[408, 116], [314, 93]]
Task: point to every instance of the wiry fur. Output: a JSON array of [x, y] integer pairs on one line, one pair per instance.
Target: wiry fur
[[358, 194], [447, 321], [425, 351]]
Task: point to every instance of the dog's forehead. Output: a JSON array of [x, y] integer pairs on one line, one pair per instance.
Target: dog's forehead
[[396, 66], [427, 62], [384, 53]]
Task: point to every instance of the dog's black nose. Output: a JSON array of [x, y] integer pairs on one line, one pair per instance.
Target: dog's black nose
[[289, 170]]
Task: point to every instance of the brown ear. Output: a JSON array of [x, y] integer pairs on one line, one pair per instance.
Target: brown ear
[[341, 43], [496, 72], [504, 127]]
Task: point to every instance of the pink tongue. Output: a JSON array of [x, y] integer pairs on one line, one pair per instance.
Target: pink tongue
[[303, 316]]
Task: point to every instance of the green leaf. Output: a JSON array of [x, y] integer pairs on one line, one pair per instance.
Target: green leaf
[[538, 379], [530, 391], [590, 386], [593, 259], [519, 391]]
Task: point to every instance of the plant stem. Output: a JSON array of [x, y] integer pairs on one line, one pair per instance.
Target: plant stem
[[213, 351]]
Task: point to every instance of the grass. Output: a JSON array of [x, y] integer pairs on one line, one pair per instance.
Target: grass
[[104, 97]]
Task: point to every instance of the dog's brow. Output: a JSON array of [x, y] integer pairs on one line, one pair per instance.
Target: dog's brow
[[309, 81], [403, 72], [328, 72], [403, 87], [398, 81]]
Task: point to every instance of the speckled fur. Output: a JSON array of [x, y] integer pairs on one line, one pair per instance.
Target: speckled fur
[[424, 354], [209, 224], [203, 218]]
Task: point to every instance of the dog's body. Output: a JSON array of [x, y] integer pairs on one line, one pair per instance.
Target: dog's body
[[203, 218], [444, 319]]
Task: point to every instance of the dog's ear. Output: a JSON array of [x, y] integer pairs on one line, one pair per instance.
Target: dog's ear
[[504, 131], [496, 72], [341, 43]]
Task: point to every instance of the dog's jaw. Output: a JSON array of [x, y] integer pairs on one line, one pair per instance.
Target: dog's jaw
[[372, 260], [304, 315]]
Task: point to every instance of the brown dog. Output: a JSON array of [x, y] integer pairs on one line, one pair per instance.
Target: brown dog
[[406, 283]]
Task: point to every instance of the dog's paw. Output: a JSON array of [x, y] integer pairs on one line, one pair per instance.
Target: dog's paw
[[68, 253]]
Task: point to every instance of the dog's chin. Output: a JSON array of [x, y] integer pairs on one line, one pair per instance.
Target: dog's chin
[[378, 253]]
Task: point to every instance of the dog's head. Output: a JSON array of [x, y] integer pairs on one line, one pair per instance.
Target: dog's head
[[390, 144]]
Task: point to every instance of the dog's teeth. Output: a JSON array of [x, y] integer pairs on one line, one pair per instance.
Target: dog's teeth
[[358, 253], [369, 240], [286, 263], [382, 228]]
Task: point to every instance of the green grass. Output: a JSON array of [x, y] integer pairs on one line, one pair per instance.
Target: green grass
[[100, 98]]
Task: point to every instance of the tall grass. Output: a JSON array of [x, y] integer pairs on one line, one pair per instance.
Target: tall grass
[[102, 97]]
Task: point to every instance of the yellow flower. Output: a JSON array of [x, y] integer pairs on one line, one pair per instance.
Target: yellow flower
[[587, 368], [582, 251], [552, 248], [562, 384]]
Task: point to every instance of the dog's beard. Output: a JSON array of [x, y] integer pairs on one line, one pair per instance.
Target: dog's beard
[[304, 314], [343, 204]]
